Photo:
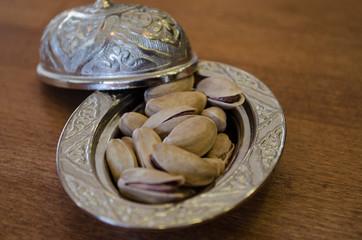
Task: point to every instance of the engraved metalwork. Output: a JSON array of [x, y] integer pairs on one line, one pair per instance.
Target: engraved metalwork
[[260, 128], [114, 46]]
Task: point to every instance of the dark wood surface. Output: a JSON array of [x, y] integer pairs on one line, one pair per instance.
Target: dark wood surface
[[309, 53]]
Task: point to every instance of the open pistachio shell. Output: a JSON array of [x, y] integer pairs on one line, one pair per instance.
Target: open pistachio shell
[[217, 115], [184, 84], [144, 139], [165, 120], [165, 128], [222, 148], [154, 197], [152, 177], [194, 99], [221, 92], [130, 121], [178, 161], [152, 186], [119, 157], [196, 135]]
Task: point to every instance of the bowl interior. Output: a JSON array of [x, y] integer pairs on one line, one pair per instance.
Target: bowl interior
[[239, 129]]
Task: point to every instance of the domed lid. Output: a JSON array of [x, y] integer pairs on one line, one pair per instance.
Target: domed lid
[[108, 46]]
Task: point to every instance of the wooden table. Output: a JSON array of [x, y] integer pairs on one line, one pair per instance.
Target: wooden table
[[309, 53]]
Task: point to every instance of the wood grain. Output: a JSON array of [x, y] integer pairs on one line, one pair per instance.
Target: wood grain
[[309, 53]]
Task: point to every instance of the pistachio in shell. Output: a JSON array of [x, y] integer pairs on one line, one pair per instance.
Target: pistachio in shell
[[217, 115], [194, 99], [196, 135], [144, 139], [119, 157], [184, 84], [152, 186], [221, 92], [165, 120], [177, 161], [217, 163], [129, 141], [222, 148], [130, 121]]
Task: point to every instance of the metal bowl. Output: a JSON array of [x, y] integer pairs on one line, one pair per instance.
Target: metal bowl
[[258, 128], [108, 46]]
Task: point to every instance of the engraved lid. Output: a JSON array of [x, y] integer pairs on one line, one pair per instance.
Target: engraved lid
[[108, 46]]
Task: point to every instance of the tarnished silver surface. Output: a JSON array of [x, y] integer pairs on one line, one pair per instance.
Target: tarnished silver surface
[[259, 129], [114, 46]]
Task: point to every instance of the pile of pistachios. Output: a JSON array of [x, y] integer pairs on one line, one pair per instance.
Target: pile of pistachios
[[178, 145]]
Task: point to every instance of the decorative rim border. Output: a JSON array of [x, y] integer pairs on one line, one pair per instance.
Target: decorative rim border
[[77, 171]]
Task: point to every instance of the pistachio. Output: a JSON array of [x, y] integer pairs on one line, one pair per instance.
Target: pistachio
[[222, 148], [196, 135], [217, 163], [144, 138], [194, 99], [130, 121], [119, 157], [217, 115], [129, 142], [221, 92], [178, 161], [165, 120], [152, 186], [184, 84]]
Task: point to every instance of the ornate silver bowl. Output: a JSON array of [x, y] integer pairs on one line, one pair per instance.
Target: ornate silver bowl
[[258, 127]]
